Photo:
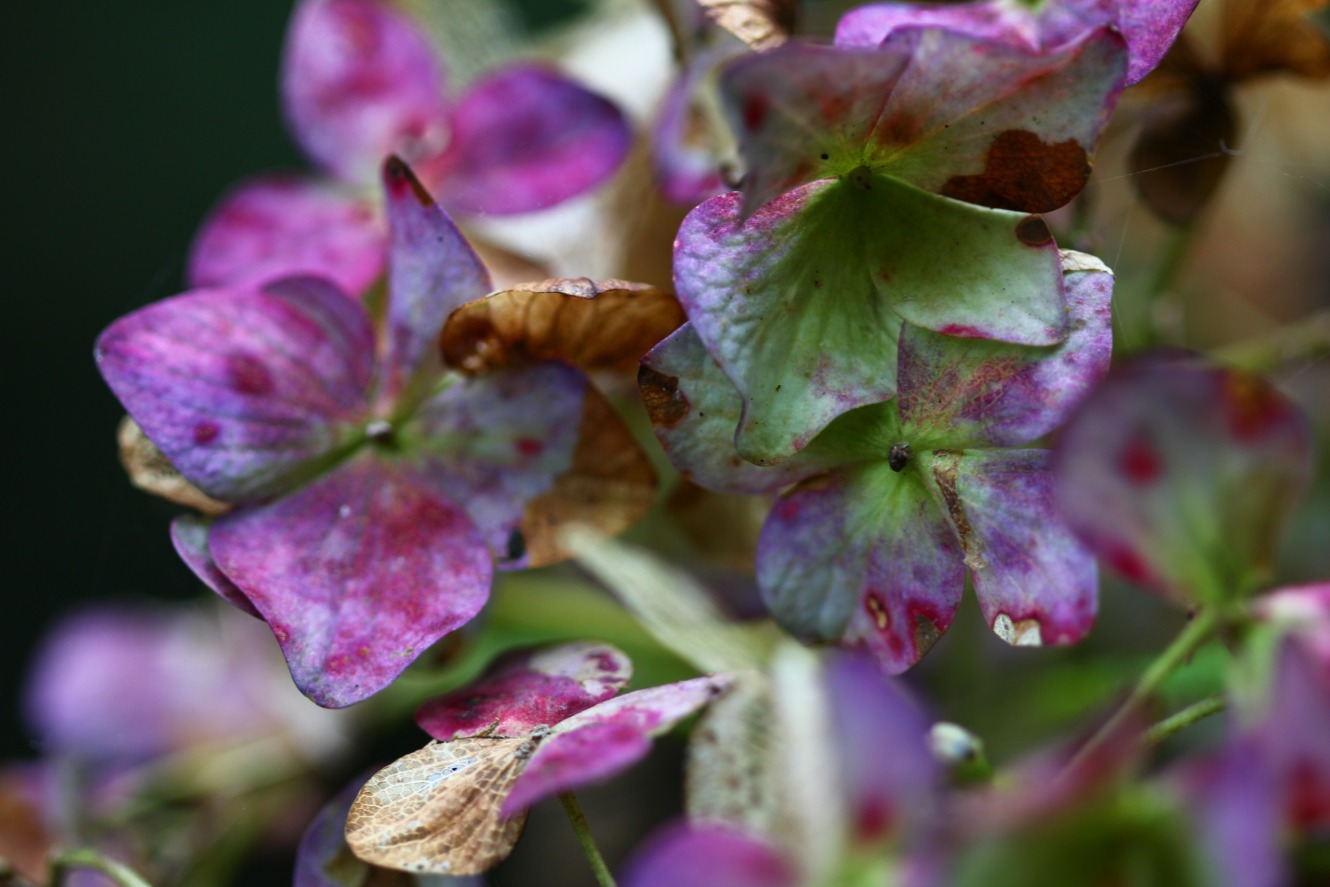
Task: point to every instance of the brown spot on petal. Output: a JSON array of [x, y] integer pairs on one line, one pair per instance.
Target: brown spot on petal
[[926, 634], [248, 375], [592, 324], [878, 610], [945, 465], [1032, 231], [1023, 172], [150, 470], [660, 393], [400, 177]]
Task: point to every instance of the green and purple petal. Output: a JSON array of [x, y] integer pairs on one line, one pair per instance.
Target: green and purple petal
[[526, 689], [360, 81], [863, 558], [989, 124], [525, 138], [247, 392], [802, 304], [708, 855], [356, 574], [1180, 474], [288, 226], [1036, 583], [959, 392]]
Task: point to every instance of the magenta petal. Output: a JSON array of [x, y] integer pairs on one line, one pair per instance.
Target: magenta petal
[[189, 535], [570, 760], [1035, 582], [1235, 802], [525, 138], [245, 391], [709, 855], [997, 20], [359, 82], [284, 226], [356, 574], [1293, 731], [976, 392], [527, 689], [864, 558], [432, 270]]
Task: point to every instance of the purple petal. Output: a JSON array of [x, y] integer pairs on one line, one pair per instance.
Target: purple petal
[[356, 574], [685, 147], [359, 82], [709, 855], [862, 557], [1176, 430], [189, 535], [245, 391], [432, 270], [980, 122], [975, 392], [284, 226], [607, 738], [1035, 582], [1293, 731], [1303, 610], [525, 138], [527, 689], [1149, 26], [888, 772], [1235, 802], [996, 20]]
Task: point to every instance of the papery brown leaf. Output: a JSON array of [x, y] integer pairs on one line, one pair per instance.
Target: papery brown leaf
[[1265, 36], [594, 325], [150, 470], [436, 810], [1180, 158], [24, 841], [761, 24], [609, 486]]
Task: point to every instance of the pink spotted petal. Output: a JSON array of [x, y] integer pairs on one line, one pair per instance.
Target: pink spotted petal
[[356, 573], [1180, 474], [525, 138], [283, 226], [189, 535], [432, 270], [964, 392], [359, 82], [708, 855], [862, 557], [1036, 583], [247, 392], [528, 688]]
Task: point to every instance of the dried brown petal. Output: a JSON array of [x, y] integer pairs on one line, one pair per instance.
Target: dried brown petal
[[1265, 36], [1179, 160], [436, 810], [606, 324], [150, 470], [761, 24]]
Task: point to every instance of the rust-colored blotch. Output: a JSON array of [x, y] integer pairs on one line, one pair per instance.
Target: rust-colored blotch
[[1023, 172]]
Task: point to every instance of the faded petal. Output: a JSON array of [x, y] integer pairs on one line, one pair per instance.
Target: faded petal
[[802, 304], [356, 573], [359, 82], [959, 392], [189, 535], [527, 689], [708, 855], [862, 557], [981, 122], [525, 138], [528, 451], [285, 226], [247, 392], [432, 269], [685, 144], [1036, 584], [1225, 444]]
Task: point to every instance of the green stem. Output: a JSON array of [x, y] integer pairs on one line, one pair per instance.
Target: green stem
[[1183, 719], [87, 858], [1192, 636], [578, 819]]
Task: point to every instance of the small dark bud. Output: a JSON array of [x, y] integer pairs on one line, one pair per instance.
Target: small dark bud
[[898, 455]]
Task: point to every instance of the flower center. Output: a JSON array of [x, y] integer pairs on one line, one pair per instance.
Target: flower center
[[898, 456]]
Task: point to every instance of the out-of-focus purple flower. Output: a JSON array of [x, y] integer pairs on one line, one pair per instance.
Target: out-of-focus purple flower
[[537, 724], [360, 82], [373, 486]]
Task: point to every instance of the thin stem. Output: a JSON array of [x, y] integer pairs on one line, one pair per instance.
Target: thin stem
[[1181, 720], [87, 858], [578, 819], [1195, 633]]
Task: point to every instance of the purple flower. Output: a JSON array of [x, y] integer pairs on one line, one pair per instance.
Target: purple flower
[[373, 487], [894, 502], [360, 81]]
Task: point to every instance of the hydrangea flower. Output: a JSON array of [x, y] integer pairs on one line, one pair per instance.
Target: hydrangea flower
[[895, 501], [372, 487], [1148, 26], [1179, 474], [536, 724], [360, 81], [885, 185]]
